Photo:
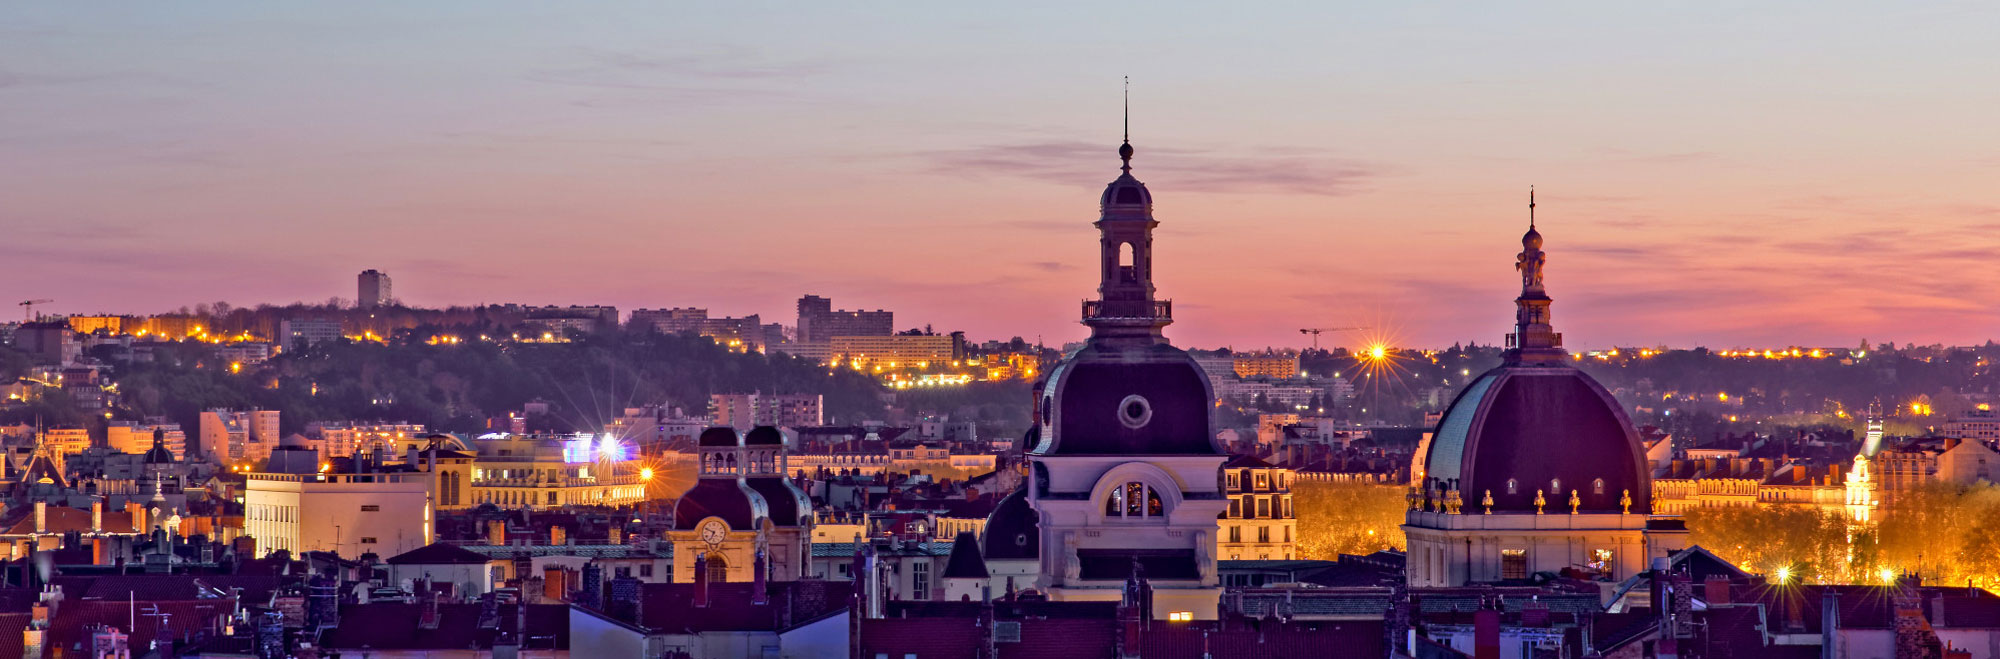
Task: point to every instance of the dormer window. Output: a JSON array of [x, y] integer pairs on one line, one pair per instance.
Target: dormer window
[[1512, 486], [1597, 486], [1133, 500]]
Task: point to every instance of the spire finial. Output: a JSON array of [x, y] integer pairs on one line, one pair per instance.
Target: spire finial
[[1531, 207], [1125, 149]]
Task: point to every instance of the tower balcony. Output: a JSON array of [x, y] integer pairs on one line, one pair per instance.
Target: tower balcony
[[1148, 310]]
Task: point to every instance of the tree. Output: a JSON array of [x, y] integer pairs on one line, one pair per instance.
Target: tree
[[1347, 518]]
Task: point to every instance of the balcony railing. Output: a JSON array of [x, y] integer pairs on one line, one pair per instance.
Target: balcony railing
[[1136, 309]]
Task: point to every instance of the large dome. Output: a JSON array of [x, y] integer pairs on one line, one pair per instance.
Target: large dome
[[1127, 400], [1522, 429]]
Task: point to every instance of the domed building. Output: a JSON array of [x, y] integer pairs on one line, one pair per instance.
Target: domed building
[[742, 512], [1123, 465], [1533, 468]]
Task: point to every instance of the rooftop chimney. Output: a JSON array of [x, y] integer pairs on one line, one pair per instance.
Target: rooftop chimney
[[757, 595], [41, 516], [1716, 590], [701, 580], [97, 515]]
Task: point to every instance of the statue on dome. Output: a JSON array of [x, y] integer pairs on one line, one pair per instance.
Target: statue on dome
[[1530, 262]]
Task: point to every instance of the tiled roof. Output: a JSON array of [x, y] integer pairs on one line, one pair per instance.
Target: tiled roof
[[833, 549], [491, 552], [1311, 604], [395, 626]]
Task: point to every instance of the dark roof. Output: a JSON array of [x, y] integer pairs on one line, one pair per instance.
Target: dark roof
[[763, 436], [1246, 461], [670, 607], [783, 501], [965, 561], [727, 498], [720, 436], [1092, 393], [397, 626], [438, 553], [1014, 530], [1508, 423]]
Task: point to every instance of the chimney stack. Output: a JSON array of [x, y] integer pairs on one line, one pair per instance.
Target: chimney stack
[[41, 516], [701, 580], [757, 594], [97, 515]]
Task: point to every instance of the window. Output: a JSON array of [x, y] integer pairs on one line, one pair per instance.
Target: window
[[843, 568], [1512, 485], [920, 578], [1236, 534], [646, 570], [1134, 500], [1263, 506], [1600, 561], [1597, 486], [371, 508], [621, 573], [1180, 616], [1513, 563], [1235, 508], [1555, 486], [1263, 534], [1263, 481], [1231, 480], [718, 569], [552, 498], [367, 540]]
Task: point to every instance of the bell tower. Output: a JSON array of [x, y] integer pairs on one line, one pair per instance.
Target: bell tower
[[1125, 311]]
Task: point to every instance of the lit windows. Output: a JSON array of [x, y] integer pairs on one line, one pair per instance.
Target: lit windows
[[1180, 616], [1134, 500], [1513, 563]]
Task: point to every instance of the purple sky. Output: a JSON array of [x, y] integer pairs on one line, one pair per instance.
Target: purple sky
[[1795, 173]]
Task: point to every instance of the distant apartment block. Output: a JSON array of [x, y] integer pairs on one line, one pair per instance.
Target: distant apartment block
[[298, 333], [131, 437], [896, 351], [1274, 365], [344, 439], [746, 411], [65, 441], [819, 322], [372, 289], [1976, 424], [558, 319], [232, 436], [747, 333]]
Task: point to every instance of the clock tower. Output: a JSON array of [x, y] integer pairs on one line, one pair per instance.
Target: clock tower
[[721, 518]]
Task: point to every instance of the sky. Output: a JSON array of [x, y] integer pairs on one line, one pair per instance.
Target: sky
[[1719, 174]]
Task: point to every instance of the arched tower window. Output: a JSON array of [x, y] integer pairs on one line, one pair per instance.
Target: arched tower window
[[718, 569], [1134, 500]]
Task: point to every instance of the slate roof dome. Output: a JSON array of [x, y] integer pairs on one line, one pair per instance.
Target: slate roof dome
[[1127, 400], [1519, 429], [729, 499], [1014, 530], [1126, 192]]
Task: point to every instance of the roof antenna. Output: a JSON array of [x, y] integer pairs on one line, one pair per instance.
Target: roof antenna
[[1125, 150]]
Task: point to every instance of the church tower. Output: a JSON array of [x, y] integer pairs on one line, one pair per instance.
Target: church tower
[[722, 519], [1124, 469]]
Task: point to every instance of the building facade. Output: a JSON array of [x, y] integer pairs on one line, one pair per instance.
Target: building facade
[[372, 289], [386, 513], [1260, 524], [746, 411]]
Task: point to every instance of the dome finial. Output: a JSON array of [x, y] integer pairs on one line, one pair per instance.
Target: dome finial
[[1125, 149], [1531, 208]]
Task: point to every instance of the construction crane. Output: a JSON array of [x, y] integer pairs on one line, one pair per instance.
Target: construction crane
[[28, 308], [1315, 331]]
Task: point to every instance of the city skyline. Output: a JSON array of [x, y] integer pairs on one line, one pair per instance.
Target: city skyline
[[1728, 179]]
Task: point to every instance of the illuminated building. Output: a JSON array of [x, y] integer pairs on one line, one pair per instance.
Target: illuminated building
[[234, 437], [1123, 460], [743, 520], [748, 333], [820, 323], [745, 411], [1534, 468], [1274, 365], [1975, 424], [1260, 524], [343, 439], [138, 438], [547, 471], [295, 333], [89, 324], [387, 513], [899, 351], [372, 290]]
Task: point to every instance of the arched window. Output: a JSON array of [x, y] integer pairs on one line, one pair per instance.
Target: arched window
[[1597, 486], [718, 569], [1556, 485], [1134, 500], [1512, 485]]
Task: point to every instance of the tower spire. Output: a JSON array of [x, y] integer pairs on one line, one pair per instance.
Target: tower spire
[[1534, 340], [1125, 149]]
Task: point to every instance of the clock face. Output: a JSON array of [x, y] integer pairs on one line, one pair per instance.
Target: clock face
[[712, 532]]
